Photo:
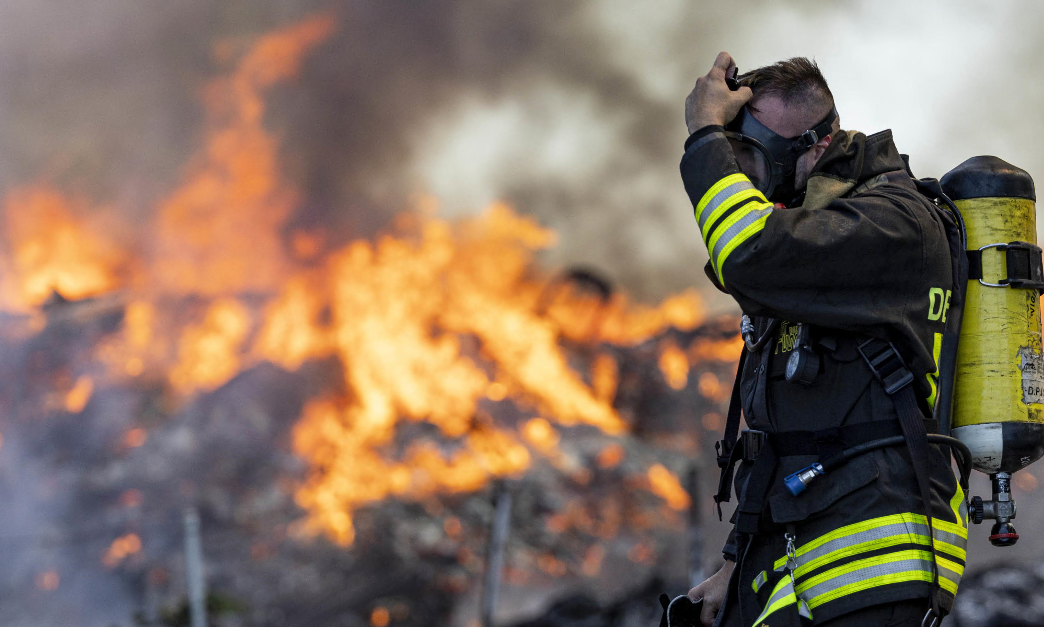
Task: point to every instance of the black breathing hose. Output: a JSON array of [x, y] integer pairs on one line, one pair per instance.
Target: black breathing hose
[[964, 458]]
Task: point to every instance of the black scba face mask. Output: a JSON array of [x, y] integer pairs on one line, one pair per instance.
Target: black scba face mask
[[771, 158]]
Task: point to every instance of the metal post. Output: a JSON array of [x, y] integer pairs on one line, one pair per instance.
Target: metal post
[[695, 531], [495, 554], [197, 591]]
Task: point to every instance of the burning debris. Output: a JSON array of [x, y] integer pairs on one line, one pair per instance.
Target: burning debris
[[337, 414]]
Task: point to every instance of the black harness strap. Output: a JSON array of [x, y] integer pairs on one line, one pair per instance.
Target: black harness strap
[[752, 501], [726, 449], [891, 371]]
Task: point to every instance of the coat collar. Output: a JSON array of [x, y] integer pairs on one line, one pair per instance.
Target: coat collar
[[853, 160]]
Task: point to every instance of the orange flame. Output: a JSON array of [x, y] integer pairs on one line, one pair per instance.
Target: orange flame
[[666, 485], [433, 321], [48, 580], [120, 549], [47, 248], [76, 399], [674, 365]]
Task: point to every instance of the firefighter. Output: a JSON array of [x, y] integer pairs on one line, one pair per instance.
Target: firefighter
[[843, 271]]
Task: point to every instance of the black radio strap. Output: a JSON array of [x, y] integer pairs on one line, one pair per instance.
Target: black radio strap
[[726, 447]]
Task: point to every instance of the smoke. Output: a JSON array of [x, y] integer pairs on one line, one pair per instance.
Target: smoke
[[570, 111]]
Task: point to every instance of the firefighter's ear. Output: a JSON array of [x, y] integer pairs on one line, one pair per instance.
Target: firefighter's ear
[[820, 147]]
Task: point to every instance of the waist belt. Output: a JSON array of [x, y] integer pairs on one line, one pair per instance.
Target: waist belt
[[823, 443], [764, 450]]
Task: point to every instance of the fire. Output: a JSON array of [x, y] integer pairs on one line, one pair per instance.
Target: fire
[[120, 549], [434, 321], [219, 233], [665, 485], [610, 456], [674, 364], [48, 580], [76, 399], [47, 248]]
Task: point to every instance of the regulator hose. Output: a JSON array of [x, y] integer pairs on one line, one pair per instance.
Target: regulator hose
[[797, 482]]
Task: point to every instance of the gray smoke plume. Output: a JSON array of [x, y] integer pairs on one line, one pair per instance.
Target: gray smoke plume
[[570, 111]]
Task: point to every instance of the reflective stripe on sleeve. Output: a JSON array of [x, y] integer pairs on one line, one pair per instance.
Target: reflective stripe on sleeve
[[725, 199], [738, 228], [729, 213]]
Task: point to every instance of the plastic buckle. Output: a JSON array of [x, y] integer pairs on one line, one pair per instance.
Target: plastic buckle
[[809, 139], [752, 440], [888, 367], [723, 452]]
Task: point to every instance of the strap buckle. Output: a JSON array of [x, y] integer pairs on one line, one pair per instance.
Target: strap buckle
[[887, 365], [1023, 266], [723, 453], [751, 440]]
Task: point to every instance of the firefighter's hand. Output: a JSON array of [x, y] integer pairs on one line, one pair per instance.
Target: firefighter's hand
[[713, 591], [711, 101]]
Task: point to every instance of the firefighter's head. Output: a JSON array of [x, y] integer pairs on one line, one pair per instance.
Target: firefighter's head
[[783, 131]]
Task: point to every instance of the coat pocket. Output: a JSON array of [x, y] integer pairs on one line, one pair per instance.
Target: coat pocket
[[827, 490]]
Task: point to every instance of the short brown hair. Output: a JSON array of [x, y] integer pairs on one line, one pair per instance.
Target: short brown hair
[[796, 81]]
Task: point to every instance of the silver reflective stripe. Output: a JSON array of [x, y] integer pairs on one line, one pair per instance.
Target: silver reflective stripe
[[900, 531], [784, 589], [734, 230], [875, 534], [862, 574], [787, 589], [952, 538], [721, 197], [759, 581]]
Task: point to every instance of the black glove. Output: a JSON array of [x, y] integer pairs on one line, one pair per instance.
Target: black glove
[[681, 612]]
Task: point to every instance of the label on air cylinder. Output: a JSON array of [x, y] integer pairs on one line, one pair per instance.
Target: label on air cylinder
[[1032, 366]]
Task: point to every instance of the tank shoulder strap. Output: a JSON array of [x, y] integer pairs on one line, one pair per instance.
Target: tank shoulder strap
[[891, 372], [957, 239]]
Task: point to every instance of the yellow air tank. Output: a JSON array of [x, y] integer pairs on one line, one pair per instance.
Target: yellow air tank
[[998, 399]]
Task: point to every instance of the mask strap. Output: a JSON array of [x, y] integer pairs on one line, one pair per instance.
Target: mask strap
[[810, 137]]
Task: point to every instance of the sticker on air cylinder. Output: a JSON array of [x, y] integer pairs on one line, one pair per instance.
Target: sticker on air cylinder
[[1032, 366]]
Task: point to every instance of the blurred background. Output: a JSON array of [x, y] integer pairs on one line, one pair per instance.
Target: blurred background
[[307, 305]]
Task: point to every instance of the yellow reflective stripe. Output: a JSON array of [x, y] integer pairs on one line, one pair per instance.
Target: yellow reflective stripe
[[865, 525], [900, 575], [782, 596], [955, 504], [873, 582], [718, 258], [717, 187], [933, 377], [869, 525], [905, 573], [730, 202], [957, 569], [855, 549]]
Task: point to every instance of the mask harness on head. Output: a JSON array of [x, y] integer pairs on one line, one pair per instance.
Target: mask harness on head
[[771, 157]]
